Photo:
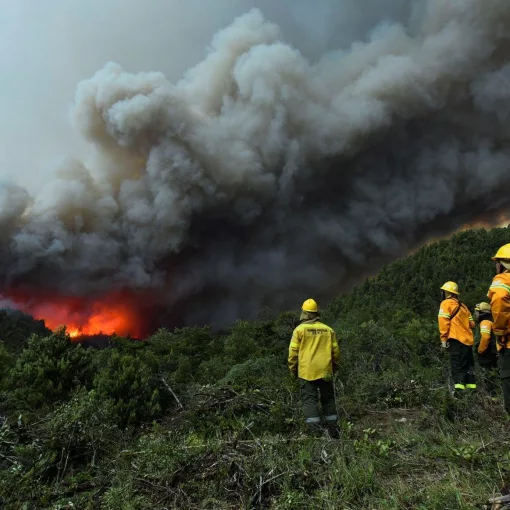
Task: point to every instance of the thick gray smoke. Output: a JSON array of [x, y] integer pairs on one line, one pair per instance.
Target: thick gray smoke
[[261, 177]]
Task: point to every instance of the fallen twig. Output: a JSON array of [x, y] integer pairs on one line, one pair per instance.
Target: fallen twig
[[275, 477], [167, 386], [497, 441], [500, 499]]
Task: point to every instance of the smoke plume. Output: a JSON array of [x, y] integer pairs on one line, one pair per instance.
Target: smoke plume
[[262, 177]]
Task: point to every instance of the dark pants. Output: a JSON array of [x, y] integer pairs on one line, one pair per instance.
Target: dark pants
[[462, 364], [310, 391], [488, 362], [504, 373]]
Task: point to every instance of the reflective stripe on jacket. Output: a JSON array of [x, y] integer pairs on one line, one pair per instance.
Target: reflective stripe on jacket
[[499, 294], [485, 335], [313, 350], [459, 328]]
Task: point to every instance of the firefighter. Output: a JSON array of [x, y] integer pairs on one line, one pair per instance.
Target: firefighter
[[455, 327], [487, 348], [499, 295], [314, 357], [487, 351]]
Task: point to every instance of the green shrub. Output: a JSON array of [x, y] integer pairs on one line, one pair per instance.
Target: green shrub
[[131, 384], [48, 370], [83, 427], [267, 372]]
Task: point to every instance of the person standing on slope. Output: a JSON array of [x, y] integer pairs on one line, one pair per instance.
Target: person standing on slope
[[487, 348], [487, 351], [455, 327], [314, 357], [499, 295]]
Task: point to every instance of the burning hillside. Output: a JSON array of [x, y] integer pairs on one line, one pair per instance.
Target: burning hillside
[[261, 177], [116, 313]]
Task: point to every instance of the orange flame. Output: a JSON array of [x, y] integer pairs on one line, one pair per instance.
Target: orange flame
[[115, 313]]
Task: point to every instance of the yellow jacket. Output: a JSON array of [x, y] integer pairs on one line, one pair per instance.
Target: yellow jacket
[[313, 351], [459, 327], [485, 336], [499, 294]]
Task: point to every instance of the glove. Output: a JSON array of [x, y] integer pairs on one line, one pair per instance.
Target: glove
[[501, 340], [445, 345]]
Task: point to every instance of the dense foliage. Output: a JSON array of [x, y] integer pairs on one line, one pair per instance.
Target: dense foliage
[[197, 419]]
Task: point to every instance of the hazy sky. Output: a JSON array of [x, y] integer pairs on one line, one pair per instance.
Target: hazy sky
[[47, 47], [200, 191]]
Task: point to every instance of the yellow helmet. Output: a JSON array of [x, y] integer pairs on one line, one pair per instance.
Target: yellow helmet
[[451, 287], [310, 306], [483, 307], [503, 253]]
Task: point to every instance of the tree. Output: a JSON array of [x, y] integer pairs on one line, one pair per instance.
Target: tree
[[131, 383], [16, 328], [48, 370]]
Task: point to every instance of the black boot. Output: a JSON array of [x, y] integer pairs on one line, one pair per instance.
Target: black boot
[[333, 431], [314, 430]]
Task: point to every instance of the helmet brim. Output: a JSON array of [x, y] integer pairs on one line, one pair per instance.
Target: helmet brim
[[451, 291]]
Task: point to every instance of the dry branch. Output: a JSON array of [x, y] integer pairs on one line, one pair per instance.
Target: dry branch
[[167, 386]]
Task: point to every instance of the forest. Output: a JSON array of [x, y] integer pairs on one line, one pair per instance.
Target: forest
[[198, 419]]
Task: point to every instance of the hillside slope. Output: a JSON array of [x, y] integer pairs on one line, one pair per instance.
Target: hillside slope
[[413, 283], [190, 419]]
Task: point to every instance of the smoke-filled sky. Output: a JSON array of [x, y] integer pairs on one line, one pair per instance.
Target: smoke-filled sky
[[227, 158], [48, 47]]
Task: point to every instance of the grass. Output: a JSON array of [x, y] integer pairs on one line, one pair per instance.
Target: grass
[[454, 456]]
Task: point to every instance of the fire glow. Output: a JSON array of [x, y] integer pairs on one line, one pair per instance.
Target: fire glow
[[502, 219], [115, 313], [124, 313]]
